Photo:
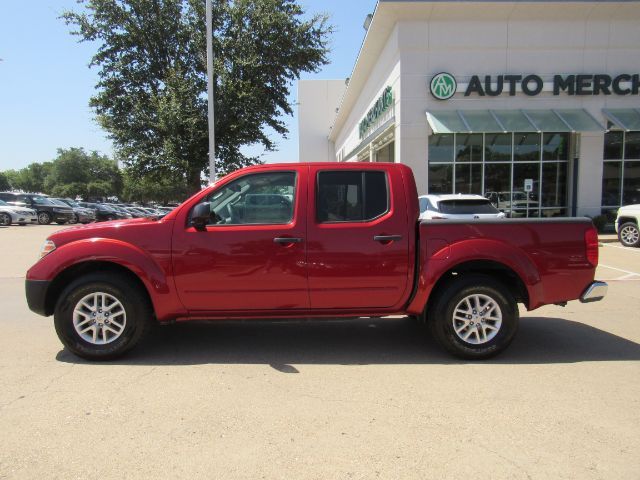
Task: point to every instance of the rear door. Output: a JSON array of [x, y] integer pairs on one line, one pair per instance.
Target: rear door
[[357, 249]]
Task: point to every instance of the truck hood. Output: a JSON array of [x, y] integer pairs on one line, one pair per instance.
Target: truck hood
[[116, 229], [629, 209]]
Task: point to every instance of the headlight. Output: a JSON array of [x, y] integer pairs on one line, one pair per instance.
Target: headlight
[[47, 247]]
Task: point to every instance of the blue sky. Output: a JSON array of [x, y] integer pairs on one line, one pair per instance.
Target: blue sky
[[45, 82]]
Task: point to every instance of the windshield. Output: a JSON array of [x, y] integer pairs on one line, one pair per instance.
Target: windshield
[[42, 201], [467, 207], [3, 203]]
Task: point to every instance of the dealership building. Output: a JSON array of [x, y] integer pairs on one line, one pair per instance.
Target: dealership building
[[534, 105]]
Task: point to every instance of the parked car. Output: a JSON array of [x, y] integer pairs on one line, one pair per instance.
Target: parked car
[[347, 243], [102, 212], [627, 222], [81, 214], [46, 210], [457, 207], [119, 209], [514, 204], [11, 214], [135, 212]]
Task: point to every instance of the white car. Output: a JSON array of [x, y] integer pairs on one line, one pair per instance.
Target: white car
[[11, 214], [457, 207], [626, 225]]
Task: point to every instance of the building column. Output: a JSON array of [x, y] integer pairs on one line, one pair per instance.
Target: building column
[[590, 174]]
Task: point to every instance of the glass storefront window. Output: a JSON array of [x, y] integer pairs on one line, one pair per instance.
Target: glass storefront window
[[554, 184], [632, 146], [497, 184], [496, 165], [497, 147], [555, 146], [613, 145], [526, 146], [469, 147], [553, 212], [441, 148], [525, 204], [611, 177], [631, 184], [469, 178], [440, 178], [386, 153], [621, 178]]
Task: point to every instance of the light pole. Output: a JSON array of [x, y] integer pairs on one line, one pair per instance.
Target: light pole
[[212, 134]]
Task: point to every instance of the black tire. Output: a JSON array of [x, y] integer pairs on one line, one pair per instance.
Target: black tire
[[5, 219], [135, 304], [441, 317], [44, 218], [75, 219], [629, 235]]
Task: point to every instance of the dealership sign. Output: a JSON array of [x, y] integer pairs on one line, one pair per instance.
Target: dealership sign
[[382, 105], [443, 85]]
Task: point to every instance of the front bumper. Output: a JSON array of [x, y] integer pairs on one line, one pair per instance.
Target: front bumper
[[595, 292], [62, 217], [24, 218], [36, 291]]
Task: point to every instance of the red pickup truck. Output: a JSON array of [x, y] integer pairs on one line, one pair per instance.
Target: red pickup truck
[[309, 240]]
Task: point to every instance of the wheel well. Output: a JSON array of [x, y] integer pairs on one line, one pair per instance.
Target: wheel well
[[71, 273], [500, 272], [622, 220]]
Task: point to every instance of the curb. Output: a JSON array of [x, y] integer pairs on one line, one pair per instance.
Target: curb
[[611, 239]]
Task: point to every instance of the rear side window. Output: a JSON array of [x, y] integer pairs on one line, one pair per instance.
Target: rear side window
[[351, 196], [467, 207]]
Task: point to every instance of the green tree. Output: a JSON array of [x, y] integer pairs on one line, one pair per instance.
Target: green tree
[[29, 179], [76, 172], [151, 93], [4, 182], [153, 188]]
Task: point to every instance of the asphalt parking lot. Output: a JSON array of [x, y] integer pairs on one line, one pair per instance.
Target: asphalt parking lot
[[325, 399]]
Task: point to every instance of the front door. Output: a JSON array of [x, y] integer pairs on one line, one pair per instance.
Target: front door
[[252, 254], [358, 249]]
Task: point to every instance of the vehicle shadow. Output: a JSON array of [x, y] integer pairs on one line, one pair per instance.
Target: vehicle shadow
[[282, 344]]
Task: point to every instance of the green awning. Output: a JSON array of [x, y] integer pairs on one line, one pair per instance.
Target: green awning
[[494, 121], [623, 118]]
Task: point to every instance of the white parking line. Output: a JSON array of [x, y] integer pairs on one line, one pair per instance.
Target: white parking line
[[619, 270], [627, 249]]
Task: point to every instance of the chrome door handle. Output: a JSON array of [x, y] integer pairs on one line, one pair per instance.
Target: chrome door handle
[[287, 240], [387, 238]]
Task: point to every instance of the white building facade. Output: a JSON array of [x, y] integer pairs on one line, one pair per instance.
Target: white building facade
[[535, 105]]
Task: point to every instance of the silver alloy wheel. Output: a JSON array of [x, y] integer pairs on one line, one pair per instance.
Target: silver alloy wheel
[[629, 234], [44, 218], [477, 319], [99, 318], [5, 219]]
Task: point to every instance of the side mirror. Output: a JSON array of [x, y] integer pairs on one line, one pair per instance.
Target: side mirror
[[200, 216]]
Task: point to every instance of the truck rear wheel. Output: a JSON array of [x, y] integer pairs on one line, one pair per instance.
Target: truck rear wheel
[[474, 317], [101, 316]]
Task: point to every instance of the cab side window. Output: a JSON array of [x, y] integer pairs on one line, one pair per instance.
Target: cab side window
[[351, 196], [263, 198]]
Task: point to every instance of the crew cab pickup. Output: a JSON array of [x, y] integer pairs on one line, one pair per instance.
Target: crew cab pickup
[[309, 240]]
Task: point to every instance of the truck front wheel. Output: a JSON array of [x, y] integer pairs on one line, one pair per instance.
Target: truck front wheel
[[474, 317], [100, 316]]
